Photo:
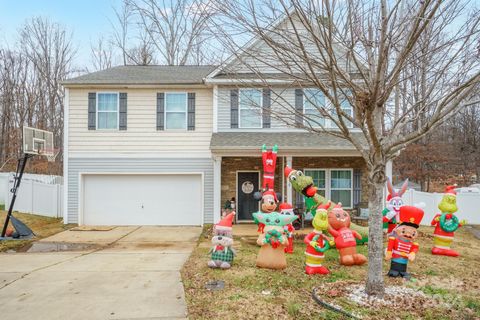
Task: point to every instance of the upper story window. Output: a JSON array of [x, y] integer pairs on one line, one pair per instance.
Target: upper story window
[[107, 110], [313, 99], [176, 111], [343, 99], [250, 108]]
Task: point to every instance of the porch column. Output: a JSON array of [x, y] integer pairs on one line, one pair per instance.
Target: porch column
[[389, 170], [217, 188], [289, 185]]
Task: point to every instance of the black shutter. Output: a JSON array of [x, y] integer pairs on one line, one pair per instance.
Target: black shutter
[[357, 187], [234, 108], [160, 111], [191, 111], [299, 107], [123, 112], [92, 110], [266, 110]]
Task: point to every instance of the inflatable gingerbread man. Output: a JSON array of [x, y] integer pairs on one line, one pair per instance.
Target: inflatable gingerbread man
[[344, 237]]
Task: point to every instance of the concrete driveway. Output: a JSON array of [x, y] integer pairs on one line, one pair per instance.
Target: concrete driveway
[[124, 273]]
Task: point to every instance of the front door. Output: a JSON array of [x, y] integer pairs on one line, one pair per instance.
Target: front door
[[247, 185]]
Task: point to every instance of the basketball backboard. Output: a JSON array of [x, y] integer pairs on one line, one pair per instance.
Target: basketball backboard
[[38, 142]]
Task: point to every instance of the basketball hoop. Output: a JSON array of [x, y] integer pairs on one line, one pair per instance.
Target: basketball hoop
[[50, 155]]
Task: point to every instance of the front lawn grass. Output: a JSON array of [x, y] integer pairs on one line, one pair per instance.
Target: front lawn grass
[[253, 293], [42, 227]]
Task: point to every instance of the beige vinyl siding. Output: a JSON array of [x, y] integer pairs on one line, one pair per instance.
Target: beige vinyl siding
[[141, 136]]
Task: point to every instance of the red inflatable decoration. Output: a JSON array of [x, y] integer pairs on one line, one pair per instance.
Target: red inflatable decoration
[[401, 249], [344, 237], [287, 209], [446, 223]]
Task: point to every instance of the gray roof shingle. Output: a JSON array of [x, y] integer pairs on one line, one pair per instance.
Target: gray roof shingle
[[285, 141], [146, 75]]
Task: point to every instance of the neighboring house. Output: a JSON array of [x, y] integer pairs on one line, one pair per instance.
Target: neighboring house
[[169, 145]]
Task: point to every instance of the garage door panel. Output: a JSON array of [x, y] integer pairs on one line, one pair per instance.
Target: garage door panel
[[142, 199]]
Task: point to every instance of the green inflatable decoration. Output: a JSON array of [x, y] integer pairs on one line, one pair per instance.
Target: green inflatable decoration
[[449, 225]]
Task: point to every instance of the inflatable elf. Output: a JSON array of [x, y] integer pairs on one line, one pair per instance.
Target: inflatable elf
[[401, 246], [446, 223], [394, 202], [287, 209], [317, 243]]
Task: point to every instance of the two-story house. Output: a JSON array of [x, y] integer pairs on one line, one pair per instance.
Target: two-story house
[[169, 145]]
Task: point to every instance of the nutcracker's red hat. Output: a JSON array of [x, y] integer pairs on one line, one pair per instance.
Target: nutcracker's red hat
[[226, 222], [411, 216], [450, 190]]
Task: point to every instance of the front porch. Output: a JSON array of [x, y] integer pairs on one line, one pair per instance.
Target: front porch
[[336, 167]]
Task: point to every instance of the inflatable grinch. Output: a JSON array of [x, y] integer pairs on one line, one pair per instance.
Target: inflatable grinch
[[273, 241], [304, 185], [287, 209], [344, 237], [317, 243], [394, 202], [222, 253], [401, 246], [446, 223]]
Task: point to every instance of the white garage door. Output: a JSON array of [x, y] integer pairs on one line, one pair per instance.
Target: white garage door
[[142, 199]]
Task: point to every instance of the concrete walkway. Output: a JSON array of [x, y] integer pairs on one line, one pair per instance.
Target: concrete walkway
[[127, 273]]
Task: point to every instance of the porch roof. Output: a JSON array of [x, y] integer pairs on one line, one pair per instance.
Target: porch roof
[[288, 142]]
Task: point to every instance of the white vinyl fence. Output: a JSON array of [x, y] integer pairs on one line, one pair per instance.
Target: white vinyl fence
[[38, 194], [468, 205]]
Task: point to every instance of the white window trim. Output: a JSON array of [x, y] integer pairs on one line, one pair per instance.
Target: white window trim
[[186, 110], [328, 182], [240, 108], [97, 111]]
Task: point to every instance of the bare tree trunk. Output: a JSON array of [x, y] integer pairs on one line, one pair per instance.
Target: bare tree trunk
[[376, 181]]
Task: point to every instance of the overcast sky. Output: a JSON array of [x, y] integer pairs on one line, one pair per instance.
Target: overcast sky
[[87, 19]]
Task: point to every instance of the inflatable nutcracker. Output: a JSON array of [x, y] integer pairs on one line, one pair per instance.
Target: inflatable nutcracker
[[273, 241], [222, 252], [446, 223], [317, 243], [287, 209], [394, 202], [401, 246], [344, 237]]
